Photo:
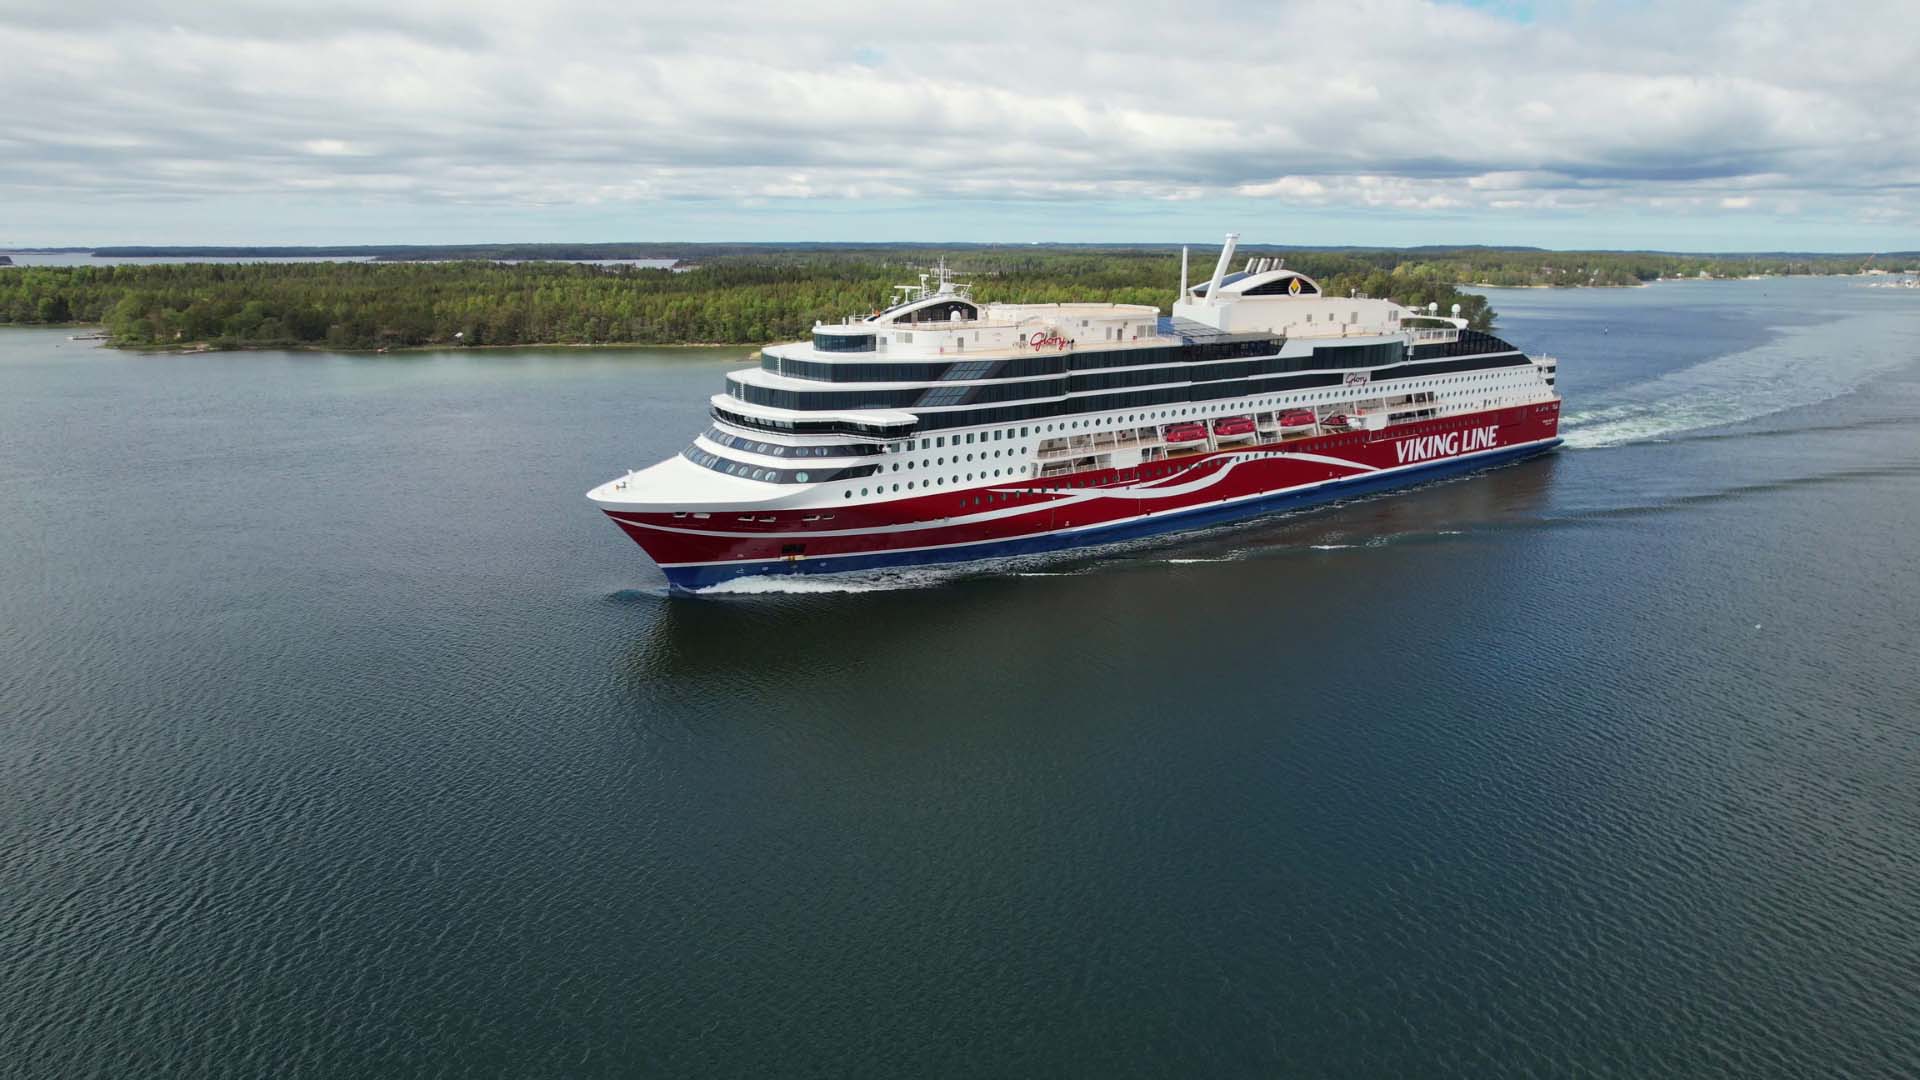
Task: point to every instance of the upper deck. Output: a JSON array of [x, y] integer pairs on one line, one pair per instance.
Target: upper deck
[[942, 320]]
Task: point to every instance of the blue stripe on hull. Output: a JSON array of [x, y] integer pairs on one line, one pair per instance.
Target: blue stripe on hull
[[699, 577]]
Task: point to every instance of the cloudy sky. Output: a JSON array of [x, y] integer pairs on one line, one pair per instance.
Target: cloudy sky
[[1693, 125]]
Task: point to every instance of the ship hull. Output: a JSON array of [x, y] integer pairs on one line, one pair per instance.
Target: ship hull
[[1030, 517]]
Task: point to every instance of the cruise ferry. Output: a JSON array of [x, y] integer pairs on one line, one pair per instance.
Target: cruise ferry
[[944, 429]]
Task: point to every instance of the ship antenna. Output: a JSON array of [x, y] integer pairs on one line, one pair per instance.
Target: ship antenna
[[1183, 271]]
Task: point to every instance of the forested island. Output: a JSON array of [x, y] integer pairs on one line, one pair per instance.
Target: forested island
[[731, 294]]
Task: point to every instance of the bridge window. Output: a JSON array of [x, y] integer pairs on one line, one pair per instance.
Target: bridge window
[[827, 342]]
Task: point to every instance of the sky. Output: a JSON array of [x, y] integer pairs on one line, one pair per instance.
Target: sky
[[1695, 126]]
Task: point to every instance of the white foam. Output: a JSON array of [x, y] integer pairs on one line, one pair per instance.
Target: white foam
[[817, 584], [1803, 366], [1332, 547]]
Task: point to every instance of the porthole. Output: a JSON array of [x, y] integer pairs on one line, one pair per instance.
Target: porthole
[[801, 478]]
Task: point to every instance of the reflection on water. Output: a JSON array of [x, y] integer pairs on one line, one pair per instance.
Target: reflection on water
[[333, 712], [783, 628]]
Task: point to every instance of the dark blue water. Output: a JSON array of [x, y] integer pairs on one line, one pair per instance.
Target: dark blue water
[[339, 736]]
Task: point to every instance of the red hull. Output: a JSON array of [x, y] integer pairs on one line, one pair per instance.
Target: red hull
[[988, 514]]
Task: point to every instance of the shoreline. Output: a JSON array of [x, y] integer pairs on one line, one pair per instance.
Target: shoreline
[[197, 347]]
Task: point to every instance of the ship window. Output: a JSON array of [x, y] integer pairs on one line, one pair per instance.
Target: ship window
[[802, 478]]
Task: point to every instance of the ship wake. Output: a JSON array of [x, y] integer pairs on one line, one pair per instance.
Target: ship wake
[[1800, 368]]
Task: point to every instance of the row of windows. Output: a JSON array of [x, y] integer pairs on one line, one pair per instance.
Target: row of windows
[[773, 476], [754, 446], [936, 396], [1325, 357], [827, 342], [1378, 354], [1117, 476], [1339, 357], [1470, 343], [1013, 367], [1029, 367], [812, 427], [1190, 353]]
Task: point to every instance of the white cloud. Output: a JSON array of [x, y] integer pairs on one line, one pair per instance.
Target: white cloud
[[1389, 105], [1300, 188]]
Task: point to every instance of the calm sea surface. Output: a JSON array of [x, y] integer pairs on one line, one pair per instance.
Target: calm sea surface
[[340, 736]]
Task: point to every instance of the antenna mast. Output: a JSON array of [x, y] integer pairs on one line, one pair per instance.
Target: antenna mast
[[1220, 268]]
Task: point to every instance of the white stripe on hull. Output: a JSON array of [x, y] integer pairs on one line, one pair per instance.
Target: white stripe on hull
[[1093, 493]]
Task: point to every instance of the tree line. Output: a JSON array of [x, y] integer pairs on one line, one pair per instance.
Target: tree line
[[768, 294]]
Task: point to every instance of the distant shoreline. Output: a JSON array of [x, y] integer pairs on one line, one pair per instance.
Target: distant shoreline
[[197, 347], [734, 301]]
